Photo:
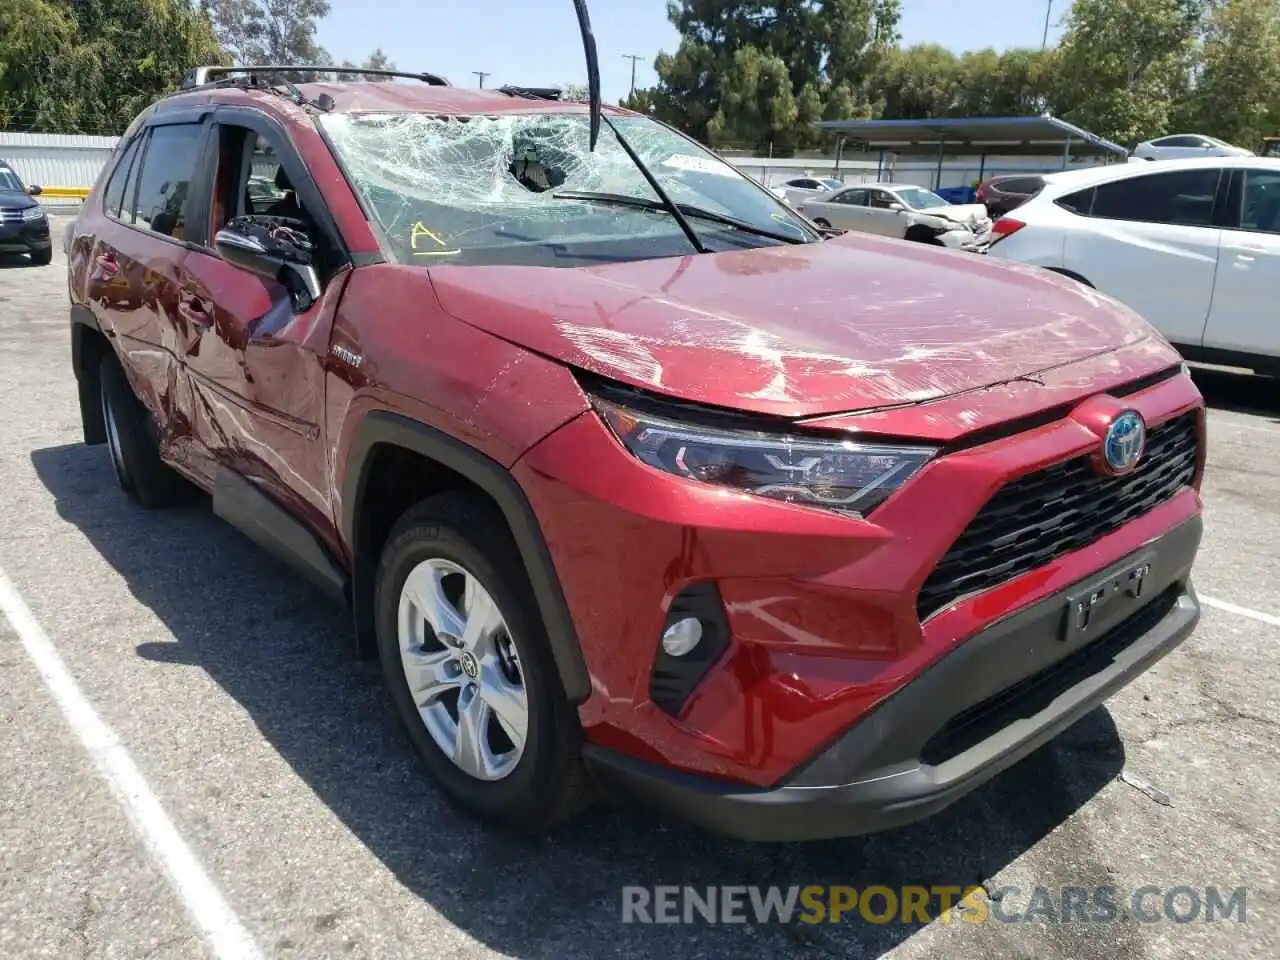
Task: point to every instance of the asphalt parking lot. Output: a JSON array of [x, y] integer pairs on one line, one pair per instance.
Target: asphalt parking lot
[[274, 755]]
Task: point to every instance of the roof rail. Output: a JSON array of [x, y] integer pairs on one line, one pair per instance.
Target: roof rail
[[203, 75], [532, 93]]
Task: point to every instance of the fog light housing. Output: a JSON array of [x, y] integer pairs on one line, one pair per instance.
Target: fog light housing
[[694, 635], [682, 636]]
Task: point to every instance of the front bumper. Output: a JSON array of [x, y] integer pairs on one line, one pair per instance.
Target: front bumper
[[27, 237], [977, 711]]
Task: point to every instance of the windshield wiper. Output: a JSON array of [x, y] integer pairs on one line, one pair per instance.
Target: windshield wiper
[[640, 203], [667, 202]]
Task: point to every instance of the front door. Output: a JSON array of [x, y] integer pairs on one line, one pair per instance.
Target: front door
[[255, 366]]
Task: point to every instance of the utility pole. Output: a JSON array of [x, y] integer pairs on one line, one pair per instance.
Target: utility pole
[[633, 58], [481, 74], [1048, 9]]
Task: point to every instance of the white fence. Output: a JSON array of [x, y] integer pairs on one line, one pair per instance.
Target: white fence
[[56, 160]]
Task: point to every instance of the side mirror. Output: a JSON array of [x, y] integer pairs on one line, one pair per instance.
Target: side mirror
[[275, 248], [34, 191], [897, 207]]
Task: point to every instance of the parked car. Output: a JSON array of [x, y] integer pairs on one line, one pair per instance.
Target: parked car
[[1002, 194], [902, 211], [631, 478], [1192, 245], [24, 227], [1187, 146], [802, 188]]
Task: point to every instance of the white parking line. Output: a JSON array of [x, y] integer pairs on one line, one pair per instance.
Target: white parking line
[[221, 927], [1240, 611]]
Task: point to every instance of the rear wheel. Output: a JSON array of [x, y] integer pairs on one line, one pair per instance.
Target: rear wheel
[[131, 442], [466, 658]]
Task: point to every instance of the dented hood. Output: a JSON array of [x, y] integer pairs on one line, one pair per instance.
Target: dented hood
[[852, 323]]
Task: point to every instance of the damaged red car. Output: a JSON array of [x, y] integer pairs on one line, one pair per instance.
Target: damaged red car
[[632, 478]]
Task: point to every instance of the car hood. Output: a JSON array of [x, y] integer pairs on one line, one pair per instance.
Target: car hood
[[14, 199], [853, 323], [959, 212]]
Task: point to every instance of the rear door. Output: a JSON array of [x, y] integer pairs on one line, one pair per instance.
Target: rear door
[[846, 209], [254, 358], [1151, 241], [134, 264], [1245, 315]]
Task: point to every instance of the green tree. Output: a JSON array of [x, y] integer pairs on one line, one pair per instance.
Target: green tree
[[375, 61], [1237, 93], [90, 66], [1123, 64], [258, 32], [824, 50], [920, 82]]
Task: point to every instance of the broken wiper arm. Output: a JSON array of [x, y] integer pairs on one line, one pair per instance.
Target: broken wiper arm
[[657, 188], [640, 203]]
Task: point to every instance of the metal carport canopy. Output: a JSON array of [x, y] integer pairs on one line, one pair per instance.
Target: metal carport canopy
[[976, 136]]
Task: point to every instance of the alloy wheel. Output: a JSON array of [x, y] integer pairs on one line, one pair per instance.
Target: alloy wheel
[[462, 669]]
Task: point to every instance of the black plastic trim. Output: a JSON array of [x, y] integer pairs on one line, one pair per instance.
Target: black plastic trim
[[873, 776], [382, 427], [240, 503], [673, 679], [85, 324], [1259, 363]]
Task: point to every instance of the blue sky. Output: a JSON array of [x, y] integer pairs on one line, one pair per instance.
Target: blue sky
[[535, 42]]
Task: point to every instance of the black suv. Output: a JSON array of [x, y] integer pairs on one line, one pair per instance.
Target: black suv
[[24, 228]]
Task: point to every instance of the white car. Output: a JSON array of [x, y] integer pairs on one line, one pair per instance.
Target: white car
[[1191, 245], [799, 189], [1187, 146], [903, 211]]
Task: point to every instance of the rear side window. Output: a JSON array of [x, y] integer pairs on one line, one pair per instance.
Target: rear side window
[[1182, 197], [851, 198], [1019, 185], [1080, 202], [1179, 142], [167, 169], [113, 198]]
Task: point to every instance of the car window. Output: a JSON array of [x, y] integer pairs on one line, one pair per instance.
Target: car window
[[832, 184], [1261, 211], [852, 198], [881, 199], [1181, 141], [804, 184], [1181, 197], [113, 198], [168, 165], [1018, 185], [9, 182], [918, 198]]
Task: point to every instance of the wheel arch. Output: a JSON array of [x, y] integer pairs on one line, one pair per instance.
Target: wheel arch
[[381, 430], [1063, 271], [88, 346]]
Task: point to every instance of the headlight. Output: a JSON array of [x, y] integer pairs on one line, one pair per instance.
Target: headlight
[[33, 213], [852, 478]]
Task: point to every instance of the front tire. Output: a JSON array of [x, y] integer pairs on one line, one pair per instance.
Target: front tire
[[467, 662], [42, 258], [131, 441]]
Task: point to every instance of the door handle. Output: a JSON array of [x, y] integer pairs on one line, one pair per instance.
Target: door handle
[[192, 309]]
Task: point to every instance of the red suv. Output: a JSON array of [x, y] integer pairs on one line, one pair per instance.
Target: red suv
[[631, 477]]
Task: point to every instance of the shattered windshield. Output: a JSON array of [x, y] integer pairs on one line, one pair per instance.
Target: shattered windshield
[[525, 189]]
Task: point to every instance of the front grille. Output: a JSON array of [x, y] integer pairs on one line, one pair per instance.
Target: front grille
[[1062, 508], [10, 216]]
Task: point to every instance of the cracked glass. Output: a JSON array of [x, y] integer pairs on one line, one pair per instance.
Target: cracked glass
[[513, 189]]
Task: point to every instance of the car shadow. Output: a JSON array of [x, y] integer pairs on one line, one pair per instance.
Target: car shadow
[[1240, 392], [12, 261], [279, 649]]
